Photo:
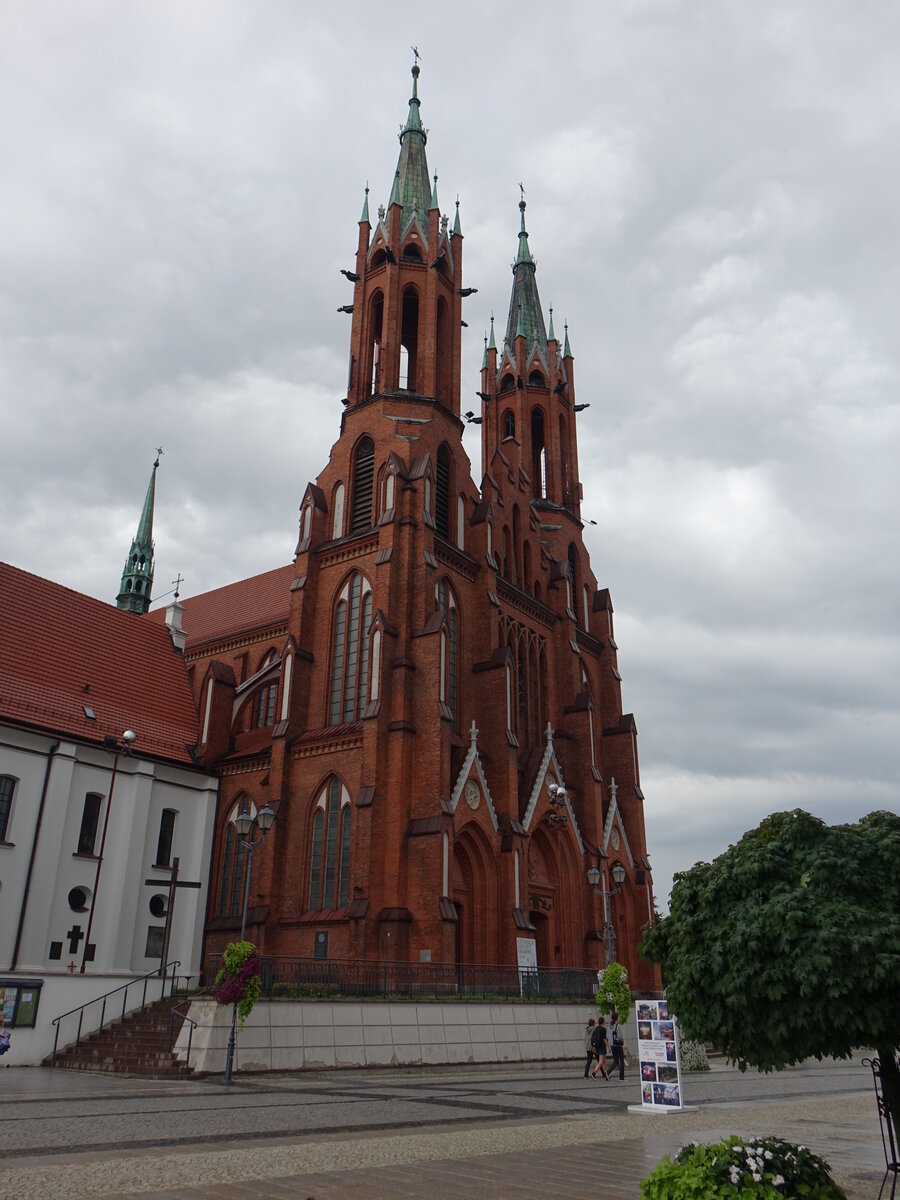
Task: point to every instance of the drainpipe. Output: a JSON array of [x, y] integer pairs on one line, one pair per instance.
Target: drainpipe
[[34, 841]]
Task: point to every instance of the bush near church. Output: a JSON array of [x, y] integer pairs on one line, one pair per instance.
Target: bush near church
[[787, 946], [759, 1169]]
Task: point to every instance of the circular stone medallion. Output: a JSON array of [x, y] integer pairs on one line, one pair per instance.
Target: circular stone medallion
[[473, 794]]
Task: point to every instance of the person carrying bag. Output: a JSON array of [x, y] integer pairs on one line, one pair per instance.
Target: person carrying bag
[[618, 1043]]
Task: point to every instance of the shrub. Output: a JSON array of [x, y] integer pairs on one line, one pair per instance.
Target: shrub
[[613, 991], [759, 1169], [693, 1056]]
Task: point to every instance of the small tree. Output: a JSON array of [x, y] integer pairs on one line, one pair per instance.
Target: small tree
[[787, 946]]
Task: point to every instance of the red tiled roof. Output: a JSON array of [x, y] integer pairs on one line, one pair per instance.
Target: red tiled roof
[[61, 651], [248, 604]]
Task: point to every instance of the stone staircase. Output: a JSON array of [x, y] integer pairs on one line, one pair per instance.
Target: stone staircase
[[139, 1045]]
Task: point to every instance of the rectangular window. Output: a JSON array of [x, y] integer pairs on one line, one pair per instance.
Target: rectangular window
[[7, 783], [90, 819], [166, 832]]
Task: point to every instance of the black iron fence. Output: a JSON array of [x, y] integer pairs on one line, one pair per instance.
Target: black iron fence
[[309, 977]]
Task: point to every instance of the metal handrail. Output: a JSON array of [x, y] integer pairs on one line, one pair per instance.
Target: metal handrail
[[158, 973]]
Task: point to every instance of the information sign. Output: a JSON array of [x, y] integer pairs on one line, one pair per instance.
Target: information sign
[[659, 1056]]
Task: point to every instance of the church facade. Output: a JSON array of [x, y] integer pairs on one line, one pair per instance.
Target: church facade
[[428, 696]]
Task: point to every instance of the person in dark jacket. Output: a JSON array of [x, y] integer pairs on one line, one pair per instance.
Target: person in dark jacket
[[618, 1043], [600, 1046], [588, 1047]]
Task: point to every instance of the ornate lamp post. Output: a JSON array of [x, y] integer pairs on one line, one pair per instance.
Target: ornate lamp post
[[593, 876], [244, 822]]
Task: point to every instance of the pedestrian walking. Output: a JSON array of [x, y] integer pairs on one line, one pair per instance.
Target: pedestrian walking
[[588, 1047], [618, 1043], [599, 1044]]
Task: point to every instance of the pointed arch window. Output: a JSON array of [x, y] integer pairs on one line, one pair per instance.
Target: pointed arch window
[[376, 321], [329, 865], [234, 861], [446, 602], [350, 651], [264, 705], [409, 339], [442, 493], [363, 478], [538, 455], [337, 518], [509, 424]]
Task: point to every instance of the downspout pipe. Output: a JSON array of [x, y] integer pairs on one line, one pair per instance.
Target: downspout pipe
[[34, 844]]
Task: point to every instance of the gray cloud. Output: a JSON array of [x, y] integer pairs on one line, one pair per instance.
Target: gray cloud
[[712, 201]]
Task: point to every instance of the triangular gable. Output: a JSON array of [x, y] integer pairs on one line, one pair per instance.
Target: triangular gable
[[316, 497], [550, 763], [415, 224], [472, 766], [538, 354], [614, 817]]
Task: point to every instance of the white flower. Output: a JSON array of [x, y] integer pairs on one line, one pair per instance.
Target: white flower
[[735, 1175], [757, 1177], [768, 1156], [778, 1181]]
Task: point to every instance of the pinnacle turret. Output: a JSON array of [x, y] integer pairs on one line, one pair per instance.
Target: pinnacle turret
[[525, 316]]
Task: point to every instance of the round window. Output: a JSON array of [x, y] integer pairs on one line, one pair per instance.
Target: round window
[[78, 899]]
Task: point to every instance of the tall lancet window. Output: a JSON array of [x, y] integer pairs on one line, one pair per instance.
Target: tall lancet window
[[538, 455], [363, 478], [446, 602], [329, 866], [350, 651]]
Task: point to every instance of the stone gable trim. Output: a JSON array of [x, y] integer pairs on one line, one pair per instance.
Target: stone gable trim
[[472, 767], [258, 763], [589, 643], [546, 762]]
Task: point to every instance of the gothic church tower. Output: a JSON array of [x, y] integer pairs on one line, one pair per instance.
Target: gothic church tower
[[428, 696]]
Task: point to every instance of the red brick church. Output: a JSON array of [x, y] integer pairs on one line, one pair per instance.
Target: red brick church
[[428, 695]]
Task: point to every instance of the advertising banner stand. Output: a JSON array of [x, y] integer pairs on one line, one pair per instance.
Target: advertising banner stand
[[659, 1060]]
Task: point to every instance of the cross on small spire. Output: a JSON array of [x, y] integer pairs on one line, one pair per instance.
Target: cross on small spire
[[159, 453], [522, 191], [416, 54], [178, 581]]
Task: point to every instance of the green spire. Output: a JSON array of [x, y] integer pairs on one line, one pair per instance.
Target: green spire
[[365, 212], [567, 352], [492, 345], [524, 255], [412, 186], [484, 359], [137, 576], [551, 336], [457, 228], [434, 200], [525, 316]]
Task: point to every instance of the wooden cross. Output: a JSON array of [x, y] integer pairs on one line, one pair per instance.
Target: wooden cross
[[174, 884]]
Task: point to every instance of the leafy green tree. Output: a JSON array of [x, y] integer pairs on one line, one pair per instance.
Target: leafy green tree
[[787, 946]]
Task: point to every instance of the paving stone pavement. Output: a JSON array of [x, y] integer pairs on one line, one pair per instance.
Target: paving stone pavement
[[524, 1131]]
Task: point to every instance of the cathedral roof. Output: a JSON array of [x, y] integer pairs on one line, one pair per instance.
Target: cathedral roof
[[65, 656], [237, 607], [412, 186], [525, 316]]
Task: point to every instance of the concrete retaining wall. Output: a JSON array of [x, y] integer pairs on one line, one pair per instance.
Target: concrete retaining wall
[[293, 1035]]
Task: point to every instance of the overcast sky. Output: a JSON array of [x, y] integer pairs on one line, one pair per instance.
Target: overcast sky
[[713, 205]]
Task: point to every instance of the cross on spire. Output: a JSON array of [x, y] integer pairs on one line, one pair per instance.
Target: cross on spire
[[416, 54]]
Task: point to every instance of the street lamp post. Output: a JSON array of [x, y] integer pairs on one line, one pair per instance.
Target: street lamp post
[[118, 746], [244, 823], [593, 876]]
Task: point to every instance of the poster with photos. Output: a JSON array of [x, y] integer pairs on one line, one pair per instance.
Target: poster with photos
[[658, 1055]]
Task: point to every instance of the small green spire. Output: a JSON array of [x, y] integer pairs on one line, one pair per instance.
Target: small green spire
[[434, 200], [524, 254], [414, 121], [484, 361], [551, 336], [395, 190], [457, 228], [492, 345], [567, 351], [520, 324], [137, 576], [364, 219]]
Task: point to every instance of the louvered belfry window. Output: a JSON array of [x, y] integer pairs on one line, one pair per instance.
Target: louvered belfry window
[[442, 493], [363, 477]]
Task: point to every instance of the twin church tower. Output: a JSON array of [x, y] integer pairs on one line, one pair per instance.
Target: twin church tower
[[428, 695]]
